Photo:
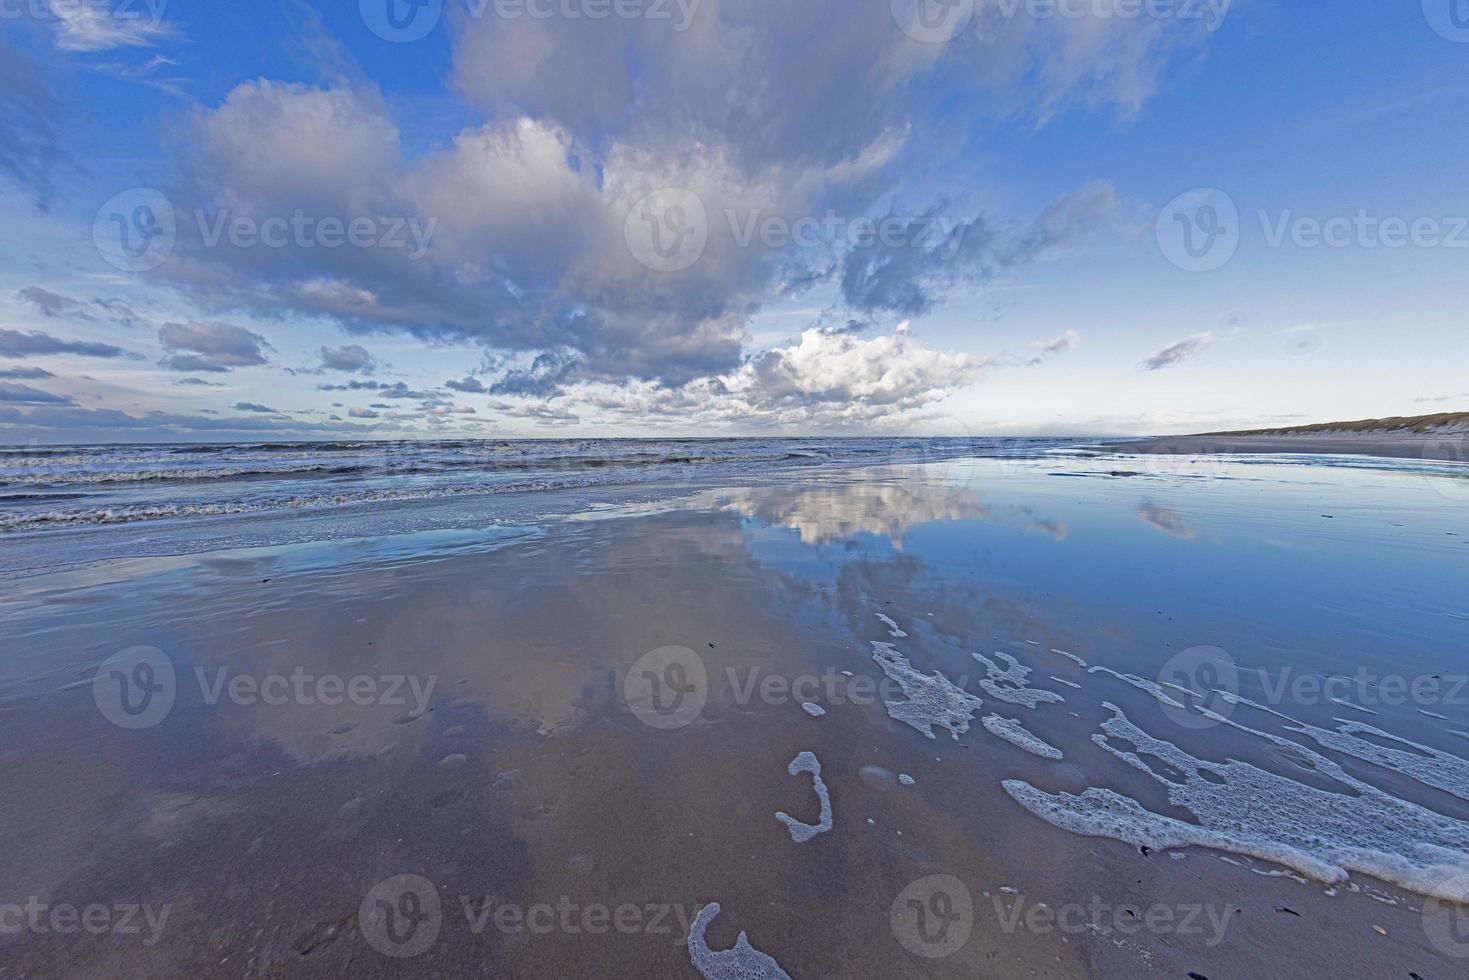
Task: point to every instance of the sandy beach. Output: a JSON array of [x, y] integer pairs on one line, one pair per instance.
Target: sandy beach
[[1388, 445], [542, 749], [1439, 437]]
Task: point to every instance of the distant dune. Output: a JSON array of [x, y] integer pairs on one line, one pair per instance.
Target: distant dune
[[1444, 436], [1420, 424]]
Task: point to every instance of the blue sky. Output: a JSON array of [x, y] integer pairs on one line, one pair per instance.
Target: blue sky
[[862, 224]]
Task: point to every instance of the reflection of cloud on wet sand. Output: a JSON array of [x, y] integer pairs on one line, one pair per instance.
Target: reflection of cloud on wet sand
[[1166, 520], [836, 513]]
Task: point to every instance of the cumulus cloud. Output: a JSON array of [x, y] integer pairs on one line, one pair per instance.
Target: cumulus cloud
[[14, 343], [351, 359], [255, 407], [826, 380], [760, 111], [362, 413], [212, 347], [1179, 351]]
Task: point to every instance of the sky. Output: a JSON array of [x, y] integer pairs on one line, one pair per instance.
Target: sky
[[567, 218]]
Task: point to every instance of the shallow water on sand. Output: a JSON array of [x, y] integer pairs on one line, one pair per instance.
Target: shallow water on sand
[[542, 748]]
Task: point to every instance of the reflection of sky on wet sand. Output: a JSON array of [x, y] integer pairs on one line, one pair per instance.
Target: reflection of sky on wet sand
[[824, 514], [562, 791], [1167, 520]]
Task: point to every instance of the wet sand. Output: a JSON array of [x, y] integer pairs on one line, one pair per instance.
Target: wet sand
[[564, 834]]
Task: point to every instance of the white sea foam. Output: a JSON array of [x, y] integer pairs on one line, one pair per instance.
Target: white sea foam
[[1015, 733], [931, 700], [1069, 656], [1244, 810], [814, 710], [893, 630], [1059, 680], [1010, 683], [906, 779], [802, 832], [740, 962], [1429, 766], [1142, 684]]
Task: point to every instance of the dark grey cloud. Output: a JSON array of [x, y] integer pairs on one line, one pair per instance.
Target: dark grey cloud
[[26, 373], [14, 394], [255, 407], [395, 390], [1178, 351], [351, 359], [908, 266], [51, 304], [212, 347], [105, 420], [545, 376], [14, 343], [30, 145], [471, 386], [198, 383]]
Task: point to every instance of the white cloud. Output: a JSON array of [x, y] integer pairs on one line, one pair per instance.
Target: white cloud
[[826, 380], [84, 26]]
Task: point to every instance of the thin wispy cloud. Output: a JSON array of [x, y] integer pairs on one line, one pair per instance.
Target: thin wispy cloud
[[1179, 351], [90, 27]]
